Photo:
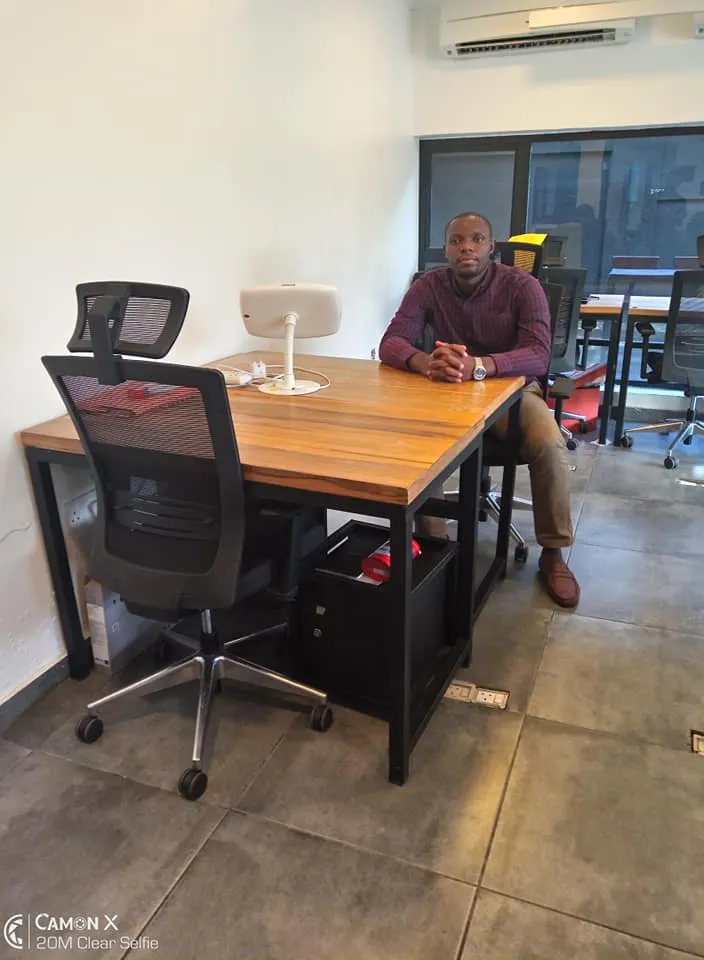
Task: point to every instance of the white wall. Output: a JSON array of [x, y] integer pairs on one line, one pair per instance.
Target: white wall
[[654, 81], [209, 144]]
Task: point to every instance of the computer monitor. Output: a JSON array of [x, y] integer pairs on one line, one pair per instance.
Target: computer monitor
[[290, 310]]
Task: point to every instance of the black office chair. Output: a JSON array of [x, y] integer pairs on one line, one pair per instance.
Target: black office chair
[[495, 452], [516, 253], [170, 531], [682, 360], [565, 317]]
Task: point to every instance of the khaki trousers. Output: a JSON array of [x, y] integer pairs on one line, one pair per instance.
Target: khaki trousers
[[543, 449]]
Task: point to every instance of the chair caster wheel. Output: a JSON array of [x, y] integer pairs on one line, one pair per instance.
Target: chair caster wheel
[[89, 728], [192, 783], [321, 717], [626, 442], [670, 463], [520, 554], [571, 444]]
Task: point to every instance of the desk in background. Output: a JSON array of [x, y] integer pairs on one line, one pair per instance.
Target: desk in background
[[619, 309], [643, 275], [376, 442]]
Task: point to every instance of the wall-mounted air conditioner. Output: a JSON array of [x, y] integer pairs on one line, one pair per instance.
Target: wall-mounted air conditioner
[[478, 28]]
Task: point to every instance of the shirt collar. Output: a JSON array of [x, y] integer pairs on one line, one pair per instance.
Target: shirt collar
[[481, 288]]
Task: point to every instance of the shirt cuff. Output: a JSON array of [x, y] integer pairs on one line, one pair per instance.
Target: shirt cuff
[[503, 366]]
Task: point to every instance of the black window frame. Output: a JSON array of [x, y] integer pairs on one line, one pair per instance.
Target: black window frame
[[521, 145]]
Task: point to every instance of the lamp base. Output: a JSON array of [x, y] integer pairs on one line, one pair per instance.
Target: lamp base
[[300, 388]]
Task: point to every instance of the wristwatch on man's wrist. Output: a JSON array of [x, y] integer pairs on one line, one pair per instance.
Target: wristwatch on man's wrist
[[479, 369]]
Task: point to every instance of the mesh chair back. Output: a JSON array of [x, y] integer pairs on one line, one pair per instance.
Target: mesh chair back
[[683, 357], [162, 450], [566, 324], [144, 318], [686, 263], [525, 256], [635, 263]]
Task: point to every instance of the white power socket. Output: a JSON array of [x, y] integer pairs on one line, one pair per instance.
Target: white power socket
[[471, 693]]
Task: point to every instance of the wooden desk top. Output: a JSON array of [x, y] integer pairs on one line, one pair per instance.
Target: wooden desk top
[[609, 304], [375, 433]]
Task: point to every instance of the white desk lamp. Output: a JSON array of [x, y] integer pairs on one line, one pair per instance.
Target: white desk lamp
[[288, 310]]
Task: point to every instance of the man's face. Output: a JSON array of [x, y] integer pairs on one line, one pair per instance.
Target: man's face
[[468, 247]]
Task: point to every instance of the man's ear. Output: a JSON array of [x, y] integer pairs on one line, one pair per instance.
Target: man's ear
[[493, 247]]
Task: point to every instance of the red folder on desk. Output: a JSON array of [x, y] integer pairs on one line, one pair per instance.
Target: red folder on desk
[[136, 398]]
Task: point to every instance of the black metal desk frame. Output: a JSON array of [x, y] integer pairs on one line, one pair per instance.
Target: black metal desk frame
[[407, 718]]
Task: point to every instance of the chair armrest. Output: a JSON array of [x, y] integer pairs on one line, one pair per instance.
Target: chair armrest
[[562, 387]]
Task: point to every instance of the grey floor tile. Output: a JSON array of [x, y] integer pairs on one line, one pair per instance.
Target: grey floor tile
[[65, 702], [77, 842], [642, 588], [635, 681], [650, 526], [504, 929], [606, 830], [336, 785], [151, 739], [509, 639], [10, 756], [279, 894], [639, 474]]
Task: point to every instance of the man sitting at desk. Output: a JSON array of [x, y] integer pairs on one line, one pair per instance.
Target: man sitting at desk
[[493, 321]]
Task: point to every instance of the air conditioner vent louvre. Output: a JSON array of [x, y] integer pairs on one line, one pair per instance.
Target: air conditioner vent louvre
[[535, 42]]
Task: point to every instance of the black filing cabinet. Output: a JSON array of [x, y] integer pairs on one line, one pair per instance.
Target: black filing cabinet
[[344, 621]]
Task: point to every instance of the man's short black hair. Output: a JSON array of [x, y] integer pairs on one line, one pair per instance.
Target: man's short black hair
[[470, 213]]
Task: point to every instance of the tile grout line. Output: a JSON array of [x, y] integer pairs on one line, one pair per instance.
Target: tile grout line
[[348, 845], [250, 782], [593, 923], [177, 880], [610, 734], [482, 869], [629, 623], [610, 546]]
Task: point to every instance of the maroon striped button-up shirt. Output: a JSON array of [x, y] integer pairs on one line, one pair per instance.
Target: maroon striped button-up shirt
[[506, 318]]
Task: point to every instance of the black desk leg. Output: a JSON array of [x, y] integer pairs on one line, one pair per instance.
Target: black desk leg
[[610, 380], [468, 521], [625, 377], [400, 589], [513, 439], [80, 658]]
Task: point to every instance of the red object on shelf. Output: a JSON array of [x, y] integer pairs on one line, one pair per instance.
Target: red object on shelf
[[377, 566]]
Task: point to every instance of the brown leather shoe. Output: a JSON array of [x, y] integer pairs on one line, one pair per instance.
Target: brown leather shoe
[[559, 581]]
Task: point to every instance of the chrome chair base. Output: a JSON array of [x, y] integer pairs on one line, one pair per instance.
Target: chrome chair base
[[210, 665], [687, 428]]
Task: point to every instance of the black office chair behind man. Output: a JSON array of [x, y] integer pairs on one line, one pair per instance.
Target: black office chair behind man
[[495, 452], [170, 531], [517, 253], [682, 360]]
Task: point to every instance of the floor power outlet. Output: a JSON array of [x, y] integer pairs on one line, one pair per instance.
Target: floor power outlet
[[471, 693]]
